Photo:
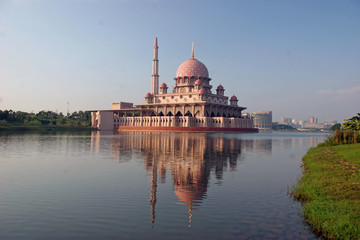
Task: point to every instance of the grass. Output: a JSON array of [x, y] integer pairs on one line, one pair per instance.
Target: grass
[[330, 190]]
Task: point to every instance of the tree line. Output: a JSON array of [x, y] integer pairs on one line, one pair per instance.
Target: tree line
[[347, 133], [44, 118]]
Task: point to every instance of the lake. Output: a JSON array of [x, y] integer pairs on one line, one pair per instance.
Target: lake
[[152, 185]]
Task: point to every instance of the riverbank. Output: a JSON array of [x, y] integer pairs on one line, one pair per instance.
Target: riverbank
[[22, 128], [330, 190]]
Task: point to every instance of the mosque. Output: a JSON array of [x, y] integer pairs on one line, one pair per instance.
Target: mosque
[[190, 106]]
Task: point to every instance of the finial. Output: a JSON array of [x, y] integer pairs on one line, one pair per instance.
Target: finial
[[155, 41], [192, 52]]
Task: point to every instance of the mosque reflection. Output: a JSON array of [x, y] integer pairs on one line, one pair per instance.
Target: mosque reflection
[[191, 158]]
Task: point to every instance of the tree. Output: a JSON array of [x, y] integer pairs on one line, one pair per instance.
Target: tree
[[352, 123], [335, 126]]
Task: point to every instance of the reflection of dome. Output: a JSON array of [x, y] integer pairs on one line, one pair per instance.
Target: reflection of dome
[[233, 98], [189, 195], [192, 67], [202, 91], [163, 85], [148, 95]]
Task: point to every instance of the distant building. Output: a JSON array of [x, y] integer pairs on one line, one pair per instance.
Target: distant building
[[121, 105], [313, 125], [329, 123], [262, 120], [313, 120], [283, 121], [301, 123]]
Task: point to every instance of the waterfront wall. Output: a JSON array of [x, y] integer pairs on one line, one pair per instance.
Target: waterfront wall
[[183, 121]]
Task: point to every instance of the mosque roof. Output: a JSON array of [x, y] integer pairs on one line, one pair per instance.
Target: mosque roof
[[148, 95], [220, 87], [163, 85], [192, 67], [201, 91], [198, 82], [233, 98]]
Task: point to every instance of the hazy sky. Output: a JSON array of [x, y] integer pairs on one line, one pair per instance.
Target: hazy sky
[[296, 58]]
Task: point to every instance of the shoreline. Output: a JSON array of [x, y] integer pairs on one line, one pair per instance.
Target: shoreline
[[330, 190], [44, 128]]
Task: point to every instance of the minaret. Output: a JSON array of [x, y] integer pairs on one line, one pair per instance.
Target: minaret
[[155, 71]]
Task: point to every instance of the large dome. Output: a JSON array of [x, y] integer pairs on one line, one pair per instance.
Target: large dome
[[192, 67]]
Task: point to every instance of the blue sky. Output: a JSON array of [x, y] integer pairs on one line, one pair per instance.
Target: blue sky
[[296, 58]]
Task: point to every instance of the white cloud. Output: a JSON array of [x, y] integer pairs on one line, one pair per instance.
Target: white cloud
[[340, 94]]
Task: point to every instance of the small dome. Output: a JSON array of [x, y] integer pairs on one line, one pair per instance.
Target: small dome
[[163, 85], [191, 68], [198, 82], [220, 87], [201, 91], [233, 98], [148, 95]]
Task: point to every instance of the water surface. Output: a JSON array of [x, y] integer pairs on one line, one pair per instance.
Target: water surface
[[151, 185]]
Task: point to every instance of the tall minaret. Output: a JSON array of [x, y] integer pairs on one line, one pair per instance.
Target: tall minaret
[[155, 71]]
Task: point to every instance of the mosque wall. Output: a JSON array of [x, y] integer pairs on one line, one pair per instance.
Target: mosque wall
[[177, 98], [102, 120], [184, 121]]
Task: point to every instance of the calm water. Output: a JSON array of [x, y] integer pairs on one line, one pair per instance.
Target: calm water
[[151, 186]]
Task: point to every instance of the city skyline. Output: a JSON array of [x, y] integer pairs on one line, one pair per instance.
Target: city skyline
[[295, 59]]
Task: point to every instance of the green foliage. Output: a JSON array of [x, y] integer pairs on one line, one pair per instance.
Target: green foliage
[[330, 190], [282, 127], [352, 123], [347, 134], [44, 118], [335, 126], [343, 137]]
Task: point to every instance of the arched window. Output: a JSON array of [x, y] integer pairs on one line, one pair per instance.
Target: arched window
[[188, 114]]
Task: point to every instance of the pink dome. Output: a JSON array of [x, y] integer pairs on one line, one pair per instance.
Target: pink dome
[[201, 91], [148, 95], [163, 85], [198, 82], [192, 67], [233, 98], [220, 87]]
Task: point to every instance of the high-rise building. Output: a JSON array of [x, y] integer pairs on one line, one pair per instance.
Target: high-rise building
[[262, 120]]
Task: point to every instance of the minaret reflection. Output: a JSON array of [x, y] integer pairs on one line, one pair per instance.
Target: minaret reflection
[[190, 157], [153, 188]]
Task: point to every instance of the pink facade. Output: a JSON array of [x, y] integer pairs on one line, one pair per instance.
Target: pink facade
[[190, 105]]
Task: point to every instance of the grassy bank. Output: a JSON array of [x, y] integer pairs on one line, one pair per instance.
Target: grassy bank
[[330, 190]]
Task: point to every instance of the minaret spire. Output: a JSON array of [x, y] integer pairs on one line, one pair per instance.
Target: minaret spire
[[155, 70], [192, 51]]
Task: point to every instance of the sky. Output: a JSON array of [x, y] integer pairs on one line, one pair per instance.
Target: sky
[[296, 58]]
